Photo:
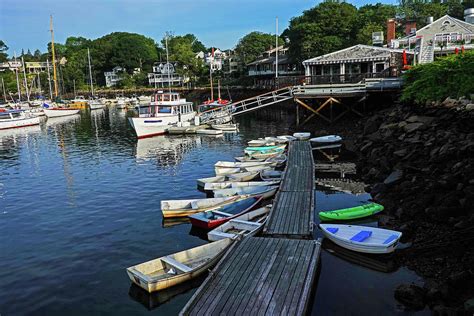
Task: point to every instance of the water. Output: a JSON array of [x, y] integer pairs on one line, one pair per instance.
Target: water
[[80, 202]]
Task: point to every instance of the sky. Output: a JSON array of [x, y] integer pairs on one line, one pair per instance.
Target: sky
[[24, 24]]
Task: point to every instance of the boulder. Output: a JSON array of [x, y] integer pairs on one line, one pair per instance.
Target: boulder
[[449, 102], [411, 127], [378, 188], [420, 119], [372, 125], [394, 177], [401, 152], [469, 305], [469, 107], [411, 296]]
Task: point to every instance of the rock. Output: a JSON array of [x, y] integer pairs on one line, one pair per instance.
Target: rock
[[449, 102], [469, 305], [401, 152], [394, 177], [420, 119], [459, 279], [411, 296], [372, 125], [469, 107], [440, 310], [378, 188], [411, 127]]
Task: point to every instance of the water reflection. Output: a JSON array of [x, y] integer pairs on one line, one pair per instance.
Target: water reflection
[[165, 150]]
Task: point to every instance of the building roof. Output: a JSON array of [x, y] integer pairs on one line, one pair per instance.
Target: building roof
[[440, 26], [357, 53], [282, 59]]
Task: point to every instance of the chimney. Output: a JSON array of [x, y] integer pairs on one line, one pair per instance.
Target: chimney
[[429, 20], [390, 31], [469, 15], [410, 27]]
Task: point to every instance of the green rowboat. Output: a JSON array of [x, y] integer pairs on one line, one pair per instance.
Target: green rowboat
[[351, 212]]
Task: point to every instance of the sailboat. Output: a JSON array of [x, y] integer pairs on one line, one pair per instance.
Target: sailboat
[[56, 111], [94, 103]]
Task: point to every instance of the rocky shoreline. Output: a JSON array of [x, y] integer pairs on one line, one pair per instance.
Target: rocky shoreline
[[419, 163]]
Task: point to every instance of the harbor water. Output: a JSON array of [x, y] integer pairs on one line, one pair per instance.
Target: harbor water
[[80, 202]]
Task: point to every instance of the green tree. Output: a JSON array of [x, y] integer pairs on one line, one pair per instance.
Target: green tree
[[327, 27], [364, 35], [253, 44], [3, 51]]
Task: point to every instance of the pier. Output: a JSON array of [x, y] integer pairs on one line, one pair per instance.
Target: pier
[[275, 273]]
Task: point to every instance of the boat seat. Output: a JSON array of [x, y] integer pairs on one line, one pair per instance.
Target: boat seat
[[332, 230], [244, 222], [361, 236], [175, 264], [390, 239]]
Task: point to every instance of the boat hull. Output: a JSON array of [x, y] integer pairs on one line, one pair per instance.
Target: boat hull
[[153, 126], [18, 123], [60, 112]]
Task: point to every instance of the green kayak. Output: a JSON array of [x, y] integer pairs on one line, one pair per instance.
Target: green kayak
[[351, 212]]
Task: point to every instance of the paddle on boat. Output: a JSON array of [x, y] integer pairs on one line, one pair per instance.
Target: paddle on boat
[[361, 238], [167, 271], [213, 218], [246, 225]]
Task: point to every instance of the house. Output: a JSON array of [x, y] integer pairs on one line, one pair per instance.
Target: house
[[446, 35], [215, 58], [10, 65], [113, 77], [265, 65], [231, 63], [36, 67], [164, 74], [355, 63]]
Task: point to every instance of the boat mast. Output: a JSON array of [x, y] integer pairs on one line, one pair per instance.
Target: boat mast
[[39, 84], [168, 62], [74, 85], [54, 57], [4, 91], [25, 80], [210, 74], [90, 72], [49, 81], [276, 50], [219, 89], [17, 80]]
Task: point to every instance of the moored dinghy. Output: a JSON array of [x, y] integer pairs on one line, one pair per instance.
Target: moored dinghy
[[351, 212], [326, 139], [167, 271], [271, 175], [260, 142], [247, 225], [229, 184], [302, 136], [178, 208], [287, 138], [278, 160], [243, 176], [265, 192], [361, 238], [225, 127], [202, 182], [227, 167], [248, 159], [215, 217]]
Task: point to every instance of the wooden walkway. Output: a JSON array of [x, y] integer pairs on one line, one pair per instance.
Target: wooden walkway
[[292, 213], [264, 276]]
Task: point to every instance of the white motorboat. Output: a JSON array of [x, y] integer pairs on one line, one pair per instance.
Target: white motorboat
[[16, 119], [326, 139], [361, 238], [166, 110], [302, 136]]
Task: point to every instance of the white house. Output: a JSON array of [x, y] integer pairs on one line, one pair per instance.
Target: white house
[[216, 60], [113, 77], [444, 36], [164, 74]]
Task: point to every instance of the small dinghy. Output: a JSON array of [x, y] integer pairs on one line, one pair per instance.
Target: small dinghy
[[266, 155], [202, 182], [246, 225], [260, 143], [302, 136], [243, 176], [225, 127], [248, 159], [179, 208], [209, 132], [167, 271], [287, 138], [253, 151], [222, 167], [278, 160], [351, 212], [213, 218], [226, 171], [361, 238], [326, 139], [229, 185], [265, 192], [271, 175], [276, 140]]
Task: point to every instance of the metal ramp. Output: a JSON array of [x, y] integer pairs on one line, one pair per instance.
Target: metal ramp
[[247, 105]]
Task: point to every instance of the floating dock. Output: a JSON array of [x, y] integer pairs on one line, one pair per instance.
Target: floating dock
[[264, 275], [292, 214], [259, 276], [192, 129]]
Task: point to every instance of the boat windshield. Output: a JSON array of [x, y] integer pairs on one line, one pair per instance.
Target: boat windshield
[[153, 110]]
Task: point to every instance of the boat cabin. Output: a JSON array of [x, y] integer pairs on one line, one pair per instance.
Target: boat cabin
[[10, 114], [166, 103]]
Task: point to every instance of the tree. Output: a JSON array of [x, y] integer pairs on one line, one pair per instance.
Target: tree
[[254, 44], [364, 35], [3, 50], [327, 27]]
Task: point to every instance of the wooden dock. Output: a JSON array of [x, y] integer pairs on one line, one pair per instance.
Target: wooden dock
[[292, 214], [263, 275], [259, 276]]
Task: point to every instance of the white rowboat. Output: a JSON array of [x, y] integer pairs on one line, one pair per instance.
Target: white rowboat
[[302, 136], [57, 112], [181, 208], [228, 185], [361, 238], [265, 192], [167, 271], [271, 175], [248, 224], [225, 127], [326, 139]]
